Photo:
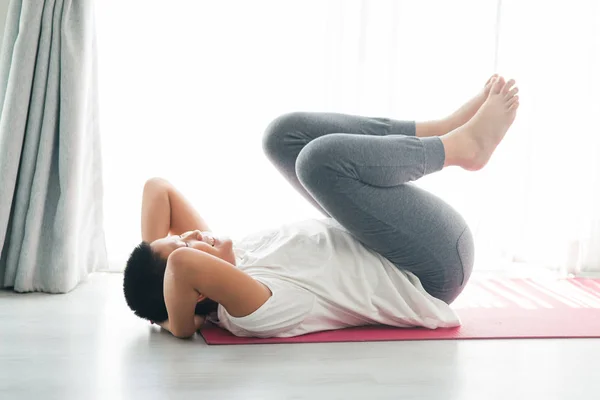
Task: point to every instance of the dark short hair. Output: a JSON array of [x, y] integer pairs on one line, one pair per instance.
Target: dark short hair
[[143, 285]]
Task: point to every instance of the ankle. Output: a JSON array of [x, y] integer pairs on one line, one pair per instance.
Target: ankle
[[450, 148], [456, 120], [433, 128], [460, 149]]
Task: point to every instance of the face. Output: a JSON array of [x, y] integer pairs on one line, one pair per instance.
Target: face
[[221, 247]]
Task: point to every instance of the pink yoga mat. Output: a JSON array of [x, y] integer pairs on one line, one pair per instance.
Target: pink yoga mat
[[489, 309]]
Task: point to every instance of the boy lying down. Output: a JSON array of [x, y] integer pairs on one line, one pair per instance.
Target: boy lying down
[[386, 252]]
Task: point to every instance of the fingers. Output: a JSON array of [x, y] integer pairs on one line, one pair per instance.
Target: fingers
[[198, 321]]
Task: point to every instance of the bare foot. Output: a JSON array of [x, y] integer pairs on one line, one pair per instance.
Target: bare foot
[[468, 110], [471, 145], [459, 117]]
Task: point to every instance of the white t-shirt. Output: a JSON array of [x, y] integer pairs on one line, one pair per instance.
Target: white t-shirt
[[322, 278]]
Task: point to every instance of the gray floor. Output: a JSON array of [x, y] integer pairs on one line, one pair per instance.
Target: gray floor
[[86, 345]]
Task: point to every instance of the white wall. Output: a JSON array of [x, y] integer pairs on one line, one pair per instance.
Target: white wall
[[3, 11]]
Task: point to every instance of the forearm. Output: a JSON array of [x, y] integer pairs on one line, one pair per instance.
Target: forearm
[[165, 210], [156, 211], [181, 300]]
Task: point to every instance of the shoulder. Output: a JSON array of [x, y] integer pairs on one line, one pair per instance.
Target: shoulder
[[218, 280]]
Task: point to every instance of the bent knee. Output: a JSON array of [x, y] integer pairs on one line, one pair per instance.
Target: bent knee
[[316, 159], [465, 248], [281, 130]]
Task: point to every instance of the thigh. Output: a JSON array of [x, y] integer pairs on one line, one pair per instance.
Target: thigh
[[410, 226], [288, 134], [296, 129]]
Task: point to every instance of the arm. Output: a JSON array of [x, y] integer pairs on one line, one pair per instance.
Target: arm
[[190, 272], [165, 209], [198, 322]]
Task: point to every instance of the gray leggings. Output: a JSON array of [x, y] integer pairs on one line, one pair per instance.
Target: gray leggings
[[356, 170]]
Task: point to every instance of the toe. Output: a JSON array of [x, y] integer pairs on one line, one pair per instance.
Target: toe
[[512, 101], [508, 85], [512, 92], [498, 85], [489, 81]]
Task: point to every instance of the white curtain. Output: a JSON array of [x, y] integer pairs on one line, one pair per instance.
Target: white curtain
[[187, 88]]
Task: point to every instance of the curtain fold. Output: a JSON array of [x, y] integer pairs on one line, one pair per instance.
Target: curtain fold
[[51, 232]]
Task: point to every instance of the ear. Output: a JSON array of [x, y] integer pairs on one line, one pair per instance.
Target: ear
[[200, 298]]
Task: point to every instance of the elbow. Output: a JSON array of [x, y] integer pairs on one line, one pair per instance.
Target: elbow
[[177, 276], [184, 331], [182, 334], [154, 184]]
